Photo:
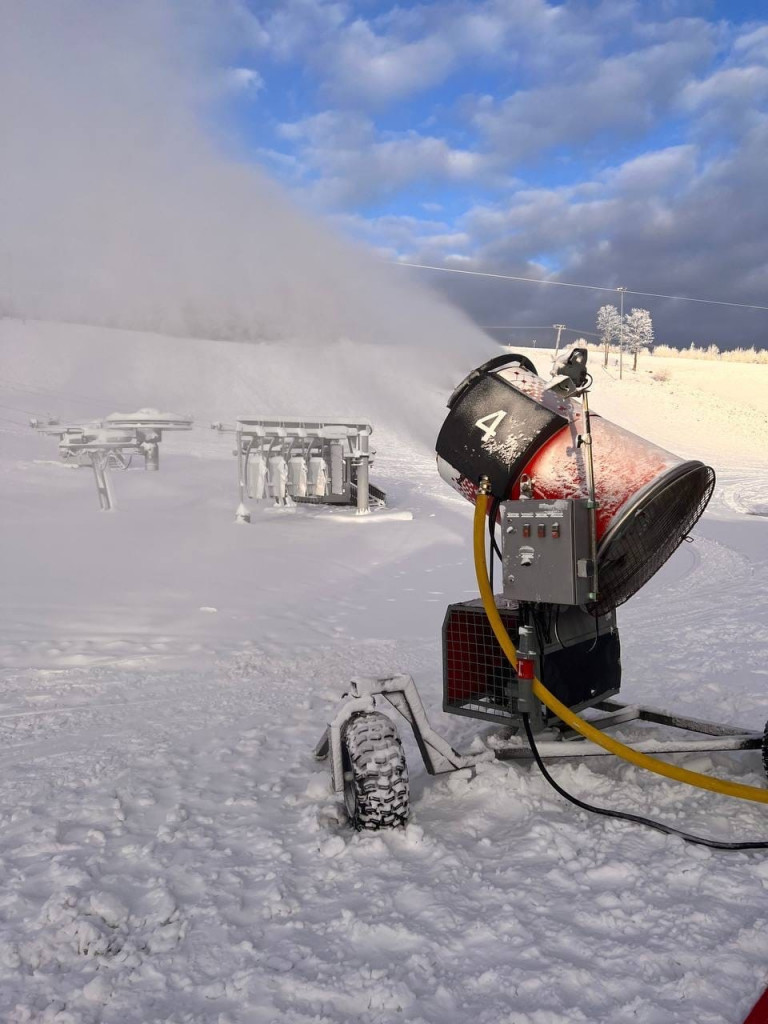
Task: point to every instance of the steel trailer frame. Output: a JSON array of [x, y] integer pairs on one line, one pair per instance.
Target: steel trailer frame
[[439, 757]]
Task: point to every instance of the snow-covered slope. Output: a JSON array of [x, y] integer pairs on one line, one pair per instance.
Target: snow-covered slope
[[166, 845]]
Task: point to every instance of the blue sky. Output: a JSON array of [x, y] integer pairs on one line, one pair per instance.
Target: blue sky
[[605, 142]]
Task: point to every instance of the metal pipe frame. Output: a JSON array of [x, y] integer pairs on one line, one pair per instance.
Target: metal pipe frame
[[264, 435], [569, 744], [439, 756]]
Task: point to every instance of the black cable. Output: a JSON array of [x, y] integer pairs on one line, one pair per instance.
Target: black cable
[[576, 642], [492, 514], [625, 815], [597, 635], [491, 556]]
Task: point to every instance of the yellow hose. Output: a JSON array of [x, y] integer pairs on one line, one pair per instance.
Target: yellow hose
[[652, 764]]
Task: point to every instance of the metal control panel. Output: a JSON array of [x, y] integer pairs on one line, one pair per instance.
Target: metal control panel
[[545, 551]]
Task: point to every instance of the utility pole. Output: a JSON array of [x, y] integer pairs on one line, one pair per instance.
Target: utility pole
[[559, 328], [621, 333]]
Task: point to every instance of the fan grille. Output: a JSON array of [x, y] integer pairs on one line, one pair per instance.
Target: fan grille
[[649, 530]]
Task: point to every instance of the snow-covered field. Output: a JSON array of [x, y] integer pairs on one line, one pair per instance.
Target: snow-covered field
[[166, 847]]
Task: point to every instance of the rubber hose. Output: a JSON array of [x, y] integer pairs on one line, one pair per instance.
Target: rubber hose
[[576, 722]]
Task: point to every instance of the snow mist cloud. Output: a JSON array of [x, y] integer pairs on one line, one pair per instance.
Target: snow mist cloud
[[117, 207]]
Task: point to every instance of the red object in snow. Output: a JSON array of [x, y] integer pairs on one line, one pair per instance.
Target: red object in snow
[[759, 1012]]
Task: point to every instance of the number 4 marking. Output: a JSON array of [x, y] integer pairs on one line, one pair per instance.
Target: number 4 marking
[[490, 423]]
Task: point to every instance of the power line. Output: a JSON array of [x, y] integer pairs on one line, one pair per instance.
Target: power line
[[570, 284], [503, 277], [538, 327], [688, 298]]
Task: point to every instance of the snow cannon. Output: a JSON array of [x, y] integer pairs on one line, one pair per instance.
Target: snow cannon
[[524, 434], [580, 514]]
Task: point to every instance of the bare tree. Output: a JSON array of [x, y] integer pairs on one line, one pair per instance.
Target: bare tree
[[638, 332], [608, 327]]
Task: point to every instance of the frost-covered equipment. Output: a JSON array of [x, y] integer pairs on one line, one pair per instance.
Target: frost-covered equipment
[[588, 512], [527, 435], [581, 531], [286, 461], [149, 426], [111, 443], [371, 784]]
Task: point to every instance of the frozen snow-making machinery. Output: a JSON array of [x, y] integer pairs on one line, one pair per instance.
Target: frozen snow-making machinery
[[588, 513], [579, 514], [288, 461], [112, 442]]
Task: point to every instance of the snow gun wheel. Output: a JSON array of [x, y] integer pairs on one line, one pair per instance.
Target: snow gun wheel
[[376, 790], [765, 749]]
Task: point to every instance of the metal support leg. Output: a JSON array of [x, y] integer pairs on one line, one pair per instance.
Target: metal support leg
[[242, 515], [99, 463], [337, 468], [362, 475], [362, 487], [151, 456]]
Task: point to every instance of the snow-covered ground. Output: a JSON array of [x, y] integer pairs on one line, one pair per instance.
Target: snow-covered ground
[[166, 847]]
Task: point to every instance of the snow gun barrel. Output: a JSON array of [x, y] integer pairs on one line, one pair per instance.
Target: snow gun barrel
[[524, 434]]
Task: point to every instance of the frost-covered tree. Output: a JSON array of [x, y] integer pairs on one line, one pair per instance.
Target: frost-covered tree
[[638, 332], [608, 327]]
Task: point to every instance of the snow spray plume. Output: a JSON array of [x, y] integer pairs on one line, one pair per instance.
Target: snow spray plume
[[116, 207]]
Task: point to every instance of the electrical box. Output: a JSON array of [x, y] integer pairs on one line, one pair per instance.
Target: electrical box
[[546, 551]]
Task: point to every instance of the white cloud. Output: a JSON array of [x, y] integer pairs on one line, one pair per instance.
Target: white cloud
[[624, 95], [284, 163], [244, 80], [753, 45], [654, 172], [352, 164], [370, 59], [732, 85], [568, 220], [372, 67], [294, 28]]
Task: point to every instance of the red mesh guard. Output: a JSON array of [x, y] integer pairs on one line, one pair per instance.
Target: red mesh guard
[[475, 669]]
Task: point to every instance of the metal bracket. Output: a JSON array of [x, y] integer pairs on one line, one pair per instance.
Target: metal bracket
[[401, 693]]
